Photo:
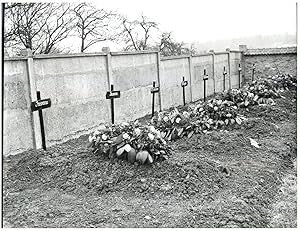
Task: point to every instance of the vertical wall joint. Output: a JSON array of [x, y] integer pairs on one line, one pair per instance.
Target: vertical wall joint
[[158, 79]]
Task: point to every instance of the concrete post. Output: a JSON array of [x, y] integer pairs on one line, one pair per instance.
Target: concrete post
[[36, 130], [229, 75], [158, 79], [213, 69], [191, 71], [243, 49], [108, 66]]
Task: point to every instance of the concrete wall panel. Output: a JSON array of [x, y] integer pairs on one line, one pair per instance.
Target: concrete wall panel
[[77, 88], [200, 63], [133, 75], [131, 71], [172, 72], [221, 61], [17, 132], [235, 60]]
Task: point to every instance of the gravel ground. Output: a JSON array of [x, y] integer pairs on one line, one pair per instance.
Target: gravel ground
[[215, 179]]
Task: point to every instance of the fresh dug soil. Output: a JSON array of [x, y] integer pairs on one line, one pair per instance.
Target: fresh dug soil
[[216, 179]]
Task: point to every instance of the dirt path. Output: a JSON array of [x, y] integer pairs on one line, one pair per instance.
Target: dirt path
[[212, 180]]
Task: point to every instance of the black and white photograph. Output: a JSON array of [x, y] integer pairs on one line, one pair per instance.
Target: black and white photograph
[[149, 114]]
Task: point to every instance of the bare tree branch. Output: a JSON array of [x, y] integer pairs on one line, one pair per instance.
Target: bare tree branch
[[93, 25], [136, 34], [38, 26]]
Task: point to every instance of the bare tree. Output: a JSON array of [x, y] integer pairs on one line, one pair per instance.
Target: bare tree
[[38, 26], [168, 46], [136, 34], [93, 25]]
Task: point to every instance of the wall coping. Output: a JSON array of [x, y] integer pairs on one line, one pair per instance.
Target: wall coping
[[204, 54], [16, 58], [175, 57], [132, 52], [55, 56], [52, 56], [271, 51]]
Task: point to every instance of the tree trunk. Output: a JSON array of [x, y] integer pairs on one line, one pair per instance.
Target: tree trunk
[[82, 46]]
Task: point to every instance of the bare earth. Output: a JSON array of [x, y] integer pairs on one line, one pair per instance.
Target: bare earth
[[215, 179]]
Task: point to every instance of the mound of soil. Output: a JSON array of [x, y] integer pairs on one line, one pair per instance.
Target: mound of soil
[[216, 179]]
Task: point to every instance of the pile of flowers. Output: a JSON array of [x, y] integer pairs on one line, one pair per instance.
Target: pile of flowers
[[148, 143], [217, 113], [284, 81], [221, 111], [131, 142], [209, 115], [240, 97], [174, 124], [261, 91]]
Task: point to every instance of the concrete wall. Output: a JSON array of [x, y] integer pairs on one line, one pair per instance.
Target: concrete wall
[[221, 61], [77, 88], [199, 64], [133, 75], [235, 60], [17, 127], [265, 65], [172, 70], [77, 85]]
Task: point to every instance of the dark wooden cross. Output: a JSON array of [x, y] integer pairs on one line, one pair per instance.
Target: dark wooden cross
[[253, 69], [153, 91], [39, 105], [224, 75], [205, 78], [112, 95], [184, 83], [240, 70]]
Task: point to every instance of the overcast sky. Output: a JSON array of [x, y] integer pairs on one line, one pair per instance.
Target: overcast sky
[[204, 20]]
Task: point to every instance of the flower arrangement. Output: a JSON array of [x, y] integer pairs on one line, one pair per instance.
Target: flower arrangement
[[148, 143], [130, 141]]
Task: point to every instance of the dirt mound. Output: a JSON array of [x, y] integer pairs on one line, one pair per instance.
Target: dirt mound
[[215, 179]]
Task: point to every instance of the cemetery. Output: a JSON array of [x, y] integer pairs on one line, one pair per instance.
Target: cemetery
[[132, 139]]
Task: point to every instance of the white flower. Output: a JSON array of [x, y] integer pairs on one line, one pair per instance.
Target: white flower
[[92, 138], [104, 137], [96, 133], [151, 137], [127, 148], [177, 120], [102, 127], [152, 129], [166, 118], [124, 124], [186, 114], [126, 136], [137, 131]]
